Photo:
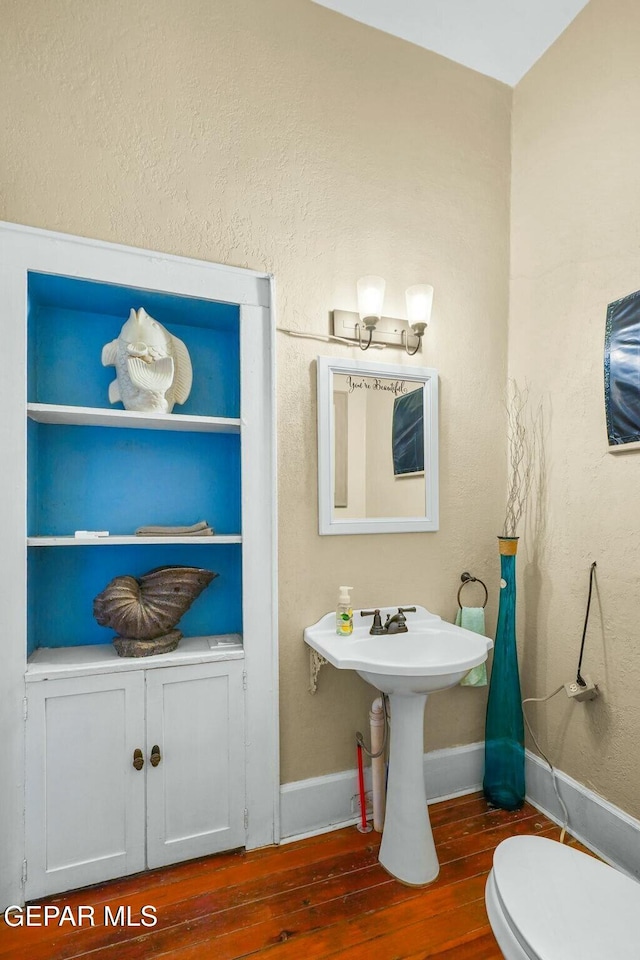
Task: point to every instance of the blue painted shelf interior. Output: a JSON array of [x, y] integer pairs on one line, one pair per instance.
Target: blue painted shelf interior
[[99, 478], [70, 320], [65, 580]]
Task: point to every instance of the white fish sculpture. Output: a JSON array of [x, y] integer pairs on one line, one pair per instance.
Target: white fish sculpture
[[153, 368]]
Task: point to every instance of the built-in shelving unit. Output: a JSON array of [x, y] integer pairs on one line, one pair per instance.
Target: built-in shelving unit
[[203, 719]]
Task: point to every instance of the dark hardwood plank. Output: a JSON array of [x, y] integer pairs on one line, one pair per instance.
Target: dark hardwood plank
[[480, 946], [419, 917], [326, 896], [483, 946], [452, 811], [486, 820], [276, 919], [175, 885]]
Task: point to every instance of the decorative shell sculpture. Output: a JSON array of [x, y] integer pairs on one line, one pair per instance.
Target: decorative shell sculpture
[[153, 368], [145, 610]]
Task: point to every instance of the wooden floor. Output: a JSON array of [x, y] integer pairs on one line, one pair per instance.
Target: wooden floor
[[317, 898]]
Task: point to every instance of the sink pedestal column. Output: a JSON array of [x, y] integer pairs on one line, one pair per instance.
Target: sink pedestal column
[[407, 850]]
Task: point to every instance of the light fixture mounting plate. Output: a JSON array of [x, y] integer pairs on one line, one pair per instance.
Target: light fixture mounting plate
[[388, 330]]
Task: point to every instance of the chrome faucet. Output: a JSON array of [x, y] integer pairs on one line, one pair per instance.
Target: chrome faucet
[[393, 624]]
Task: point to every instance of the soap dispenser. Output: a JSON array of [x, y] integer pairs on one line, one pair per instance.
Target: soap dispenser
[[344, 613]]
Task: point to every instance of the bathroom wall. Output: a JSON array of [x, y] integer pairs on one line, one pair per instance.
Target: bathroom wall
[[575, 248], [277, 135]]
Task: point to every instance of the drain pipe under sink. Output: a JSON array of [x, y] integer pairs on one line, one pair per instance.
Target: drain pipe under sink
[[378, 773]]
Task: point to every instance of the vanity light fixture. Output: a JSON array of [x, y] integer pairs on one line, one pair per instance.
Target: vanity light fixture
[[370, 300], [388, 330], [419, 303]]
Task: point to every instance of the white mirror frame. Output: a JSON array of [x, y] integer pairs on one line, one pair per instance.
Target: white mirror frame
[[327, 367]]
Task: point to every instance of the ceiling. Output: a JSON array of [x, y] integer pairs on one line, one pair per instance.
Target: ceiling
[[500, 38]]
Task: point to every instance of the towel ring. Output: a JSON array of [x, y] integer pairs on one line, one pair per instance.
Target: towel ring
[[467, 578]]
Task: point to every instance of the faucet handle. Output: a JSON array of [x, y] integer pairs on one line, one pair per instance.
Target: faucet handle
[[376, 628], [406, 609]]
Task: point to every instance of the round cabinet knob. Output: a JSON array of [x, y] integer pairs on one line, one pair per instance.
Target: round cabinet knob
[[138, 759], [155, 757]]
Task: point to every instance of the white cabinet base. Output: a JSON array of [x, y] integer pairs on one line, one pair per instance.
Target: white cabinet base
[[91, 815]]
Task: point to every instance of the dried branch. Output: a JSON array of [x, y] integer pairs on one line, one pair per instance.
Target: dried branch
[[522, 436]]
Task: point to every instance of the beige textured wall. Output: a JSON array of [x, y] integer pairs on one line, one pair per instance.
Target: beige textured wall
[[277, 135], [576, 233]]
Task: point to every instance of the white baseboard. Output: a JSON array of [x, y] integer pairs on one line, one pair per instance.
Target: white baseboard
[[454, 771], [605, 829], [314, 806], [310, 807], [320, 804]]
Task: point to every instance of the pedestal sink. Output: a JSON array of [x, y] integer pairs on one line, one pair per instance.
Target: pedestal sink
[[433, 655]]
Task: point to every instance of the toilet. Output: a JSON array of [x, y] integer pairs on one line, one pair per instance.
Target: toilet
[[548, 901]]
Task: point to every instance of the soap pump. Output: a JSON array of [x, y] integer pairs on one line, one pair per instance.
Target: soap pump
[[344, 613]]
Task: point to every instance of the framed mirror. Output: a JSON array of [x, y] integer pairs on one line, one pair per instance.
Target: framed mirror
[[377, 447]]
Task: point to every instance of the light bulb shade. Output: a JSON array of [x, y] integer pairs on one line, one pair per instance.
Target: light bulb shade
[[419, 303], [370, 299]]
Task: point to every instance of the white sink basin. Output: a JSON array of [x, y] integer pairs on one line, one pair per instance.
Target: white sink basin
[[431, 656]]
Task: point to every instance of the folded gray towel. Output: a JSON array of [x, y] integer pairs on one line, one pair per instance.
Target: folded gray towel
[[200, 529]]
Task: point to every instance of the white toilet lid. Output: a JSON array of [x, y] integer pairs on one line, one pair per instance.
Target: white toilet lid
[[563, 904]]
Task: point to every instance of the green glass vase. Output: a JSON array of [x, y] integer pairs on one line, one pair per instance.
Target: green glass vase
[[503, 783]]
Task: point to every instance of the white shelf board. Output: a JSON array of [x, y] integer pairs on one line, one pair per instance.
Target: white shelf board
[[123, 541], [97, 417], [49, 663]]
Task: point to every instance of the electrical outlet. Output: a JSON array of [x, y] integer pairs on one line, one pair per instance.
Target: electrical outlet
[[576, 692]]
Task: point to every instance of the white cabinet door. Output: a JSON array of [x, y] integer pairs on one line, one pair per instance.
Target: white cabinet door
[[196, 793], [90, 814], [85, 801]]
